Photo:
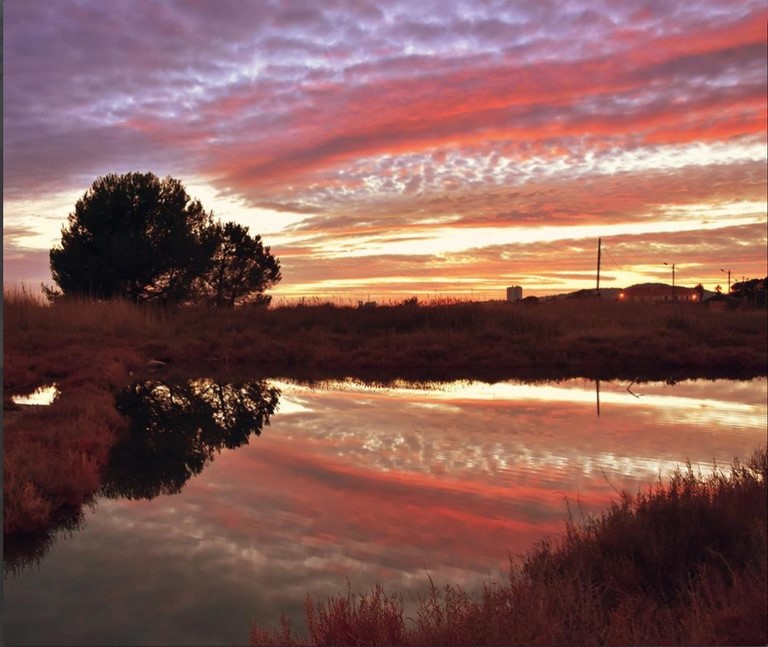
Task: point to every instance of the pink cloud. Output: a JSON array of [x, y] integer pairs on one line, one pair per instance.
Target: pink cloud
[[391, 114]]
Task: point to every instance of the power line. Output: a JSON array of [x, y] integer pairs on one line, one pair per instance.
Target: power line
[[605, 249], [681, 273]]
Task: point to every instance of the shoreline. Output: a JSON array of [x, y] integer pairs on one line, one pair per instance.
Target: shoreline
[[110, 343], [93, 350]]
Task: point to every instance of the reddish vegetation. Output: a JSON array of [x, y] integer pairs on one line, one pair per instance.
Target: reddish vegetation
[[53, 456], [95, 347], [627, 578], [681, 564], [80, 342]]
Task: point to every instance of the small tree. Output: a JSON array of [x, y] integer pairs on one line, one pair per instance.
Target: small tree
[[241, 269], [141, 238]]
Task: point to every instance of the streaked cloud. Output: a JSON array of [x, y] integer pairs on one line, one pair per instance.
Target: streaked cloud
[[326, 125]]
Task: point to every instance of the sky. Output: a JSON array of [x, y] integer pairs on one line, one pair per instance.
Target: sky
[[438, 149]]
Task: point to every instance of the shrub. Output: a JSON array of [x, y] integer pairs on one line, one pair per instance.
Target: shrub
[[684, 563]]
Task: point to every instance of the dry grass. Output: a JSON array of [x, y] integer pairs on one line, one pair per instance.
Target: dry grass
[[25, 310], [683, 563], [52, 458], [95, 347], [571, 338], [679, 564]]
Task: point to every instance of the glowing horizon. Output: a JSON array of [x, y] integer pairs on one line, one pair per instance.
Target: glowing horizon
[[385, 150]]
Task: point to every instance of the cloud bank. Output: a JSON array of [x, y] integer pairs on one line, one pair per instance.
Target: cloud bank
[[348, 122]]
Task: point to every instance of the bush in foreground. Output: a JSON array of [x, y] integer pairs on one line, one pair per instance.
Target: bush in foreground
[[678, 564]]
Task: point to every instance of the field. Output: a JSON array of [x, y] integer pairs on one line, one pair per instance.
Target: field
[[100, 343]]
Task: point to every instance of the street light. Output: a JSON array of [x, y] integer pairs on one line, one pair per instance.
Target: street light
[[673, 280], [728, 272]]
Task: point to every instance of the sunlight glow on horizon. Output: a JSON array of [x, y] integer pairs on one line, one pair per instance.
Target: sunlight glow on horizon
[[442, 240], [371, 144]]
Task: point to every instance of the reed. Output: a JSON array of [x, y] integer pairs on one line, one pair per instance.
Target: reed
[[497, 340], [52, 458], [678, 564], [80, 341], [26, 310]]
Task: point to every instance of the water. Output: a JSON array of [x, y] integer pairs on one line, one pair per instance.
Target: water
[[41, 397], [348, 482]]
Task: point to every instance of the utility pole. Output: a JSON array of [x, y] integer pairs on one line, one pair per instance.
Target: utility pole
[[673, 280], [597, 396], [598, 266], [728, 272]]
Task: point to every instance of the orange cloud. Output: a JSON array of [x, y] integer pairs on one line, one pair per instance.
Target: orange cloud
[[386, 122]]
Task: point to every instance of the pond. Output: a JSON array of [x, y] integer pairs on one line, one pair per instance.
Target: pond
[[227, 504]]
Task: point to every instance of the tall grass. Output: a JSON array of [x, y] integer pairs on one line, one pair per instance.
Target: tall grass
[[601, 339], [27, 310], [678, 564], [53, 457]]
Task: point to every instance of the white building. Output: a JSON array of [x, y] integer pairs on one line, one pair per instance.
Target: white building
[[515, 293]]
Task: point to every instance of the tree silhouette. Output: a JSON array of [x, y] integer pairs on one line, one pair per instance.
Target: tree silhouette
[[751, 290], [138, 237], [133, 236], [241, 269], [175, 430]]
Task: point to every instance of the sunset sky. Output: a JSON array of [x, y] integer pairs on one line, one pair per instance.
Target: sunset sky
[[443, 148]]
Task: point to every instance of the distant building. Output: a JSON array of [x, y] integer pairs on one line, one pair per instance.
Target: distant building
[[659, 293], [515, 293], [721, 302]]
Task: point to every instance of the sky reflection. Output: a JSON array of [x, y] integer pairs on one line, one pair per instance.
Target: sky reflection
[[42, 396], [382, 485]]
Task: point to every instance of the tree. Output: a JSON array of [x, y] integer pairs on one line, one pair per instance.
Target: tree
[[241, 269], [141, 238], [751, 290]]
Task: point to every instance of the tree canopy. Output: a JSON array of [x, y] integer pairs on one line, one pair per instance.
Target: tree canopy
[[751, 290], [138, 237], [241, 268]]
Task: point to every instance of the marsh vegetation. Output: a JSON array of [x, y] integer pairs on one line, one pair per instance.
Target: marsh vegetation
[[98, 347], [680, 563], [85, 340], [683, 562]]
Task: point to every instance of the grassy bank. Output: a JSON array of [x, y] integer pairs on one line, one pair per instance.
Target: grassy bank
[[682, 563], [53, 457], [81, 341]]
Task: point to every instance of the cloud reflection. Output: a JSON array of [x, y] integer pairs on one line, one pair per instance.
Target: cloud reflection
[[376, 485]]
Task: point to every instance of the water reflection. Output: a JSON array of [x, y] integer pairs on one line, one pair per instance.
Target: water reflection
[[22, 552], [42, 396], [177, 429], [378, 485]]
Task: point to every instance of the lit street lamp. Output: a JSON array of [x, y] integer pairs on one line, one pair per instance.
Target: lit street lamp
[[673, 280]]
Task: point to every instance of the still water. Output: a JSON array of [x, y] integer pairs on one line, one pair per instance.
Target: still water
[[204, 526]]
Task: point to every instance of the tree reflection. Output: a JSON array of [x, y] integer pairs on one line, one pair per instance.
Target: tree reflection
[[176, 429]]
